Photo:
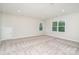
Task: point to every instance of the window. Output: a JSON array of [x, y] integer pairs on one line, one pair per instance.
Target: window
[[54, 28], [40, 27], [61, 26], [58, 26]]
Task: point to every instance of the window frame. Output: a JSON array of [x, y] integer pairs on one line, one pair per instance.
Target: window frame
[[54, 26], [63, 26], [58, 26]]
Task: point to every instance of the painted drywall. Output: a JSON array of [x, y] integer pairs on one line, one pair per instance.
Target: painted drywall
[[71, 27], [14, 26], [0, 26]]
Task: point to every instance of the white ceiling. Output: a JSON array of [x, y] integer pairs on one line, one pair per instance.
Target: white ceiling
[[39, 10]]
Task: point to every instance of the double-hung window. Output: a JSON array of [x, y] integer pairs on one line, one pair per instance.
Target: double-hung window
[[54, 26], [61, 26], [58, 26]]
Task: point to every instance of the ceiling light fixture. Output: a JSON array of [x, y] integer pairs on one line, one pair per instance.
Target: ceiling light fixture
[[52, 4]]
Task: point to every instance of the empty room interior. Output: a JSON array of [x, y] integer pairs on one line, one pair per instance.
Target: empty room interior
[[39, 28]]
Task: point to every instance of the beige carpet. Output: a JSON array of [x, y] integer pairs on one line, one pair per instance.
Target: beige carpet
[[40, 45]]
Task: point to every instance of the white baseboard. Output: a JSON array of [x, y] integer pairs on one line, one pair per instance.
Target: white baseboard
[[63, 38], [21, 37], [39, 35]]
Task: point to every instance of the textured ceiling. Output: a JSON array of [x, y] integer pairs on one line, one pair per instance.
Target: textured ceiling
[[39, 10]]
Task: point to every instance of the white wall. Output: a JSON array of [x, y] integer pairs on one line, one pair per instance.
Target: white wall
[[0, 26], [19, 26], [71, 28]]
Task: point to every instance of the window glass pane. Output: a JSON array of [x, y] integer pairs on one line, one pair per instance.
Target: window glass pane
[[61, 29], [54, 28], [54, 24], [40, 27], [61, 23]]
